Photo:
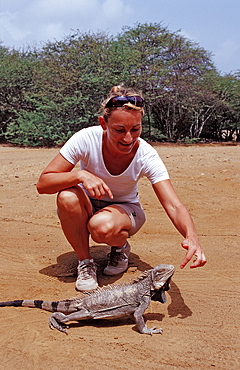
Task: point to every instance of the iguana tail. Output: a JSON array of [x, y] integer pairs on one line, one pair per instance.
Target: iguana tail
[[44, 305]]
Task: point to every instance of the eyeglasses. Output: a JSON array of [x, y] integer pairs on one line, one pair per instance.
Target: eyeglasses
[[119, 101]]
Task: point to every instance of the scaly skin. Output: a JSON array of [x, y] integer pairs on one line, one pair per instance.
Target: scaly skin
[[113, 301]]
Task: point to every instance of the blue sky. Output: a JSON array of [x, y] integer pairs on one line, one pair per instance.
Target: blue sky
[[213, 24]]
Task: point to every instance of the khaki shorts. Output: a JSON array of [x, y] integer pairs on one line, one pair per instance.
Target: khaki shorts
[[134, 211]]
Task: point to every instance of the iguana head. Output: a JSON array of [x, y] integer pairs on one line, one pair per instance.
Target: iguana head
[[161, 276]]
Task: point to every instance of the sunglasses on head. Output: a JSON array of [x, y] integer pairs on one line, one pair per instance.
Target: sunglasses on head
[[119, 101]]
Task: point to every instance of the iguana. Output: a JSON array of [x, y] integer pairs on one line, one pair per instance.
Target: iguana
[[111, 301]]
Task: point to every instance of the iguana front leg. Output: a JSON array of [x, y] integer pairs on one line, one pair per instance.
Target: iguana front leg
[[138, 316]]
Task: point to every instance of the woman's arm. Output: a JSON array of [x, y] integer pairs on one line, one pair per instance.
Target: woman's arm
[[58, 175], [182, 220]]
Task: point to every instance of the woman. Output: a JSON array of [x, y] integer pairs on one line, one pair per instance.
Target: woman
[[101, 198]]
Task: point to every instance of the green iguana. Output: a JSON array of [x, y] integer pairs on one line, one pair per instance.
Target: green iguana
[[111, 301]]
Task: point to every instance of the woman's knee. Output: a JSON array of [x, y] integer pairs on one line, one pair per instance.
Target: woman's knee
[[100, 227], [74, 201], [66, 198]]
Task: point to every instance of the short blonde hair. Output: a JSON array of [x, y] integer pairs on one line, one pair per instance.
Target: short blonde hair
[[120, 90]]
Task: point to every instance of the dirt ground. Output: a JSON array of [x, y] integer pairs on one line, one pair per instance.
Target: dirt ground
[[200, 318]]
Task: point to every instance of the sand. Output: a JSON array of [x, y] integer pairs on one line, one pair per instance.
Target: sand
[[200, 318]]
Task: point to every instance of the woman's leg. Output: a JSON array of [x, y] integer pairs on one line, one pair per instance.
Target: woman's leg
[[113, 225], [74, 211], [110, 225]]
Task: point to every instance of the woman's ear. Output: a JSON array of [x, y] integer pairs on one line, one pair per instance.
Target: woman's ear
[[102, 122]]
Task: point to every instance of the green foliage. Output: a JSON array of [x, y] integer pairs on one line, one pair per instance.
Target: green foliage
[[188, 140], [48, 94], [31, 130]]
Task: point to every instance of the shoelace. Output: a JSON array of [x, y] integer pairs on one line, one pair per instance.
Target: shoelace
[[87, 271], [116, 256]]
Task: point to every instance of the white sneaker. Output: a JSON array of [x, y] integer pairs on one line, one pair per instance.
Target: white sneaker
[[87, 277], [118, 260]]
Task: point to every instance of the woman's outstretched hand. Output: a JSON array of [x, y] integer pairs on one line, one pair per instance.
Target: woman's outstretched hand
[[193, 249]]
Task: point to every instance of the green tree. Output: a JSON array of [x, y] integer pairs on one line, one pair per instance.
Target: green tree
[[16, 71], [48, 94], [168, 68]]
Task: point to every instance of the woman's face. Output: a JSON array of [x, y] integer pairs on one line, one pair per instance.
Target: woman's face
[[122, 130]]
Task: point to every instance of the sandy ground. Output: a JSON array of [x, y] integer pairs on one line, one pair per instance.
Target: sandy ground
[[199, 320]]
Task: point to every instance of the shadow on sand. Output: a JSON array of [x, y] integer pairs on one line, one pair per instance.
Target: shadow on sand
[[66, 270]]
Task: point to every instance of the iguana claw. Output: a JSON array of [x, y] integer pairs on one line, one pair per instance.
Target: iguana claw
[[54, 323], [151, 331]]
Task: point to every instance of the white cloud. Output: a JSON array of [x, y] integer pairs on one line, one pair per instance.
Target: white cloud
[[49, 9], [43, 20], [51, 31], [9, 27], [29, 22], [114, 9], [47, 20]]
